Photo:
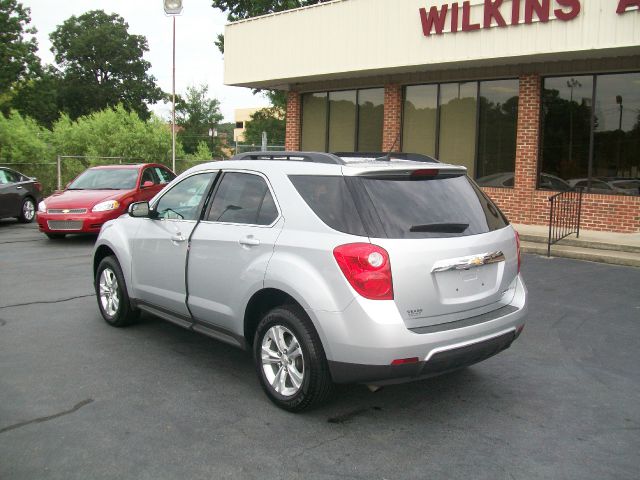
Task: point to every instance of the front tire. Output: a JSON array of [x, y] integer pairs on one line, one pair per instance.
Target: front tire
[[111, 292], [28, 210], [290, 361]]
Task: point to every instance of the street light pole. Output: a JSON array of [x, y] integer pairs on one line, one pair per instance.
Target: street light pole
[[173, 8], [173, 102]]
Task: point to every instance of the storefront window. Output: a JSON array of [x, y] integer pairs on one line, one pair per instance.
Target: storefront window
[[420, 112], [458, 103], [444, 121], [342, 121], [591, 137], [314, 122], [370, 119], [498, 103]]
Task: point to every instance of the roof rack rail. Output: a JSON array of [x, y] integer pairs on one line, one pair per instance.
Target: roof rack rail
[[311, 157], [416, 157]]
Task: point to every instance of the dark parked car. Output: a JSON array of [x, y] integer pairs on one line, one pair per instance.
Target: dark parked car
[[19, 195]]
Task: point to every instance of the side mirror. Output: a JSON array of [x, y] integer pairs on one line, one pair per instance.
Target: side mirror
[[139, 210], [147, 184]]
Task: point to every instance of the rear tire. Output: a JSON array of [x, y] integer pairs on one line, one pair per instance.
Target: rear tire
[[55, 236], [290, 361], [111, 292], [28, 210]]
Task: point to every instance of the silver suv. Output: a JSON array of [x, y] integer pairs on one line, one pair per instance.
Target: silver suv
[[332, 268]]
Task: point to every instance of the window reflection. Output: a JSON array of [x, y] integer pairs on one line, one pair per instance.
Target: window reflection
[[568, 104]]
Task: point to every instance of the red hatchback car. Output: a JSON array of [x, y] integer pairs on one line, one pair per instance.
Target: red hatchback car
[[99, 194]]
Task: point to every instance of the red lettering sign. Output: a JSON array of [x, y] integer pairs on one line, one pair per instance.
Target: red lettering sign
[[624, 4], [492, 12], [467, 26], [541, 10], [434, 18], [560, 14]]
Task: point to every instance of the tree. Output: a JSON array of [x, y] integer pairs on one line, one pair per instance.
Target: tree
[[270, 120], [197, 114], [102, 66], [242, 9], [18, 58], [38, 98]]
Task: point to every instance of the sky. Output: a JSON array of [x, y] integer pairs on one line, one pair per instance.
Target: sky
[[198, 60]]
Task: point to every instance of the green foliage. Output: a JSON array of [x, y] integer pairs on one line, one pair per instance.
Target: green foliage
[[197, 114], [38, 98], [270, 120], [113, 133], [18, 58], [22, 140], [102, 66], [26, 147]]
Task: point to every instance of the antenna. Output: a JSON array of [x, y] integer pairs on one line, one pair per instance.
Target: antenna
[[387, 157]]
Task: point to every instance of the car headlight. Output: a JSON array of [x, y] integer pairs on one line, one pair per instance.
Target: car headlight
[[105, 206], [42, 207]]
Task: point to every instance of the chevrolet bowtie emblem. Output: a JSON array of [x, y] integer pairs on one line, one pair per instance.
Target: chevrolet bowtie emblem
[[65, 210]]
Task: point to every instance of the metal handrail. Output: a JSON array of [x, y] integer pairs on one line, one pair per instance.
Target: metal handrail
[[564, 216]]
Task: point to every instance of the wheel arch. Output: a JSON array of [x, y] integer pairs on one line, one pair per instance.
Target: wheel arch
[[260, 303]]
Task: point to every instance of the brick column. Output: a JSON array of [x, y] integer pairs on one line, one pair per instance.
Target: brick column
[[392, 124], [527, 138], [292, 134]]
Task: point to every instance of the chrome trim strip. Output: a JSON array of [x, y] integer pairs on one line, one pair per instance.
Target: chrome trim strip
[[465, 263], [469, 342], [56, 211]]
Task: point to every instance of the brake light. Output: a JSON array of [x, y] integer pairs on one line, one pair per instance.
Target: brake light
[[38, 186], [518, 249], [367, 269], [425, 172]]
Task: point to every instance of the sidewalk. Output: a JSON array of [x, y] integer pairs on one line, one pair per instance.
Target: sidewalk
[[605, 247]]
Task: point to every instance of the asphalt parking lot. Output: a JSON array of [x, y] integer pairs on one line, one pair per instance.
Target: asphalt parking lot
[[79, 399]]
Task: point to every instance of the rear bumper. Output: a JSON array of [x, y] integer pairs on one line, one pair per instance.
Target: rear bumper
[[440, 362], [362, 341]]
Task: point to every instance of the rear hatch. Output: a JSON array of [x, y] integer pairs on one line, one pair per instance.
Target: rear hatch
[[452, 253]]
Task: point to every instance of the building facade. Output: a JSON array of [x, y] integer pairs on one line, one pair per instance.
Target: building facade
[[532, 96]]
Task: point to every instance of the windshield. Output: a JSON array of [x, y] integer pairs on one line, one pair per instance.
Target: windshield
[[106, 179]]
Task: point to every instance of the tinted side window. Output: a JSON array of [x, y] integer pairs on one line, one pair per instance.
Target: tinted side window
[[184, 200], [148, 176], [331, 200], [243, 198]]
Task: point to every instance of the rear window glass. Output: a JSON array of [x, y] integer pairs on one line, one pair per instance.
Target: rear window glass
[[330, 199], [430, 207]]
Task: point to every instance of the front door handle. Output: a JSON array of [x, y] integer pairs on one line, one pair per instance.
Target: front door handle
[[250, 241], [178, 238], [19, 187]]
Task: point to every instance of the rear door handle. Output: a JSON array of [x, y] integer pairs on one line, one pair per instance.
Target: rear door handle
[[19, 187], [250, 241]]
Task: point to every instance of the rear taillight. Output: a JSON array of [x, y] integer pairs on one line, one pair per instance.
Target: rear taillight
[[367, 269], [38, 186], [518, 249]]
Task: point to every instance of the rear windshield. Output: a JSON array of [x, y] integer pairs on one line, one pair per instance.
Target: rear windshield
[[430, 207], [401, 206]]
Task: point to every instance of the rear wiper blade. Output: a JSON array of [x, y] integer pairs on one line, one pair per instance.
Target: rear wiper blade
[[440, 227]]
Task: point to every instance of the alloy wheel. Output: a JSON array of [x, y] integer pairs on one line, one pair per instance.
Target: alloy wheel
[[109, 297], [282, 361]]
